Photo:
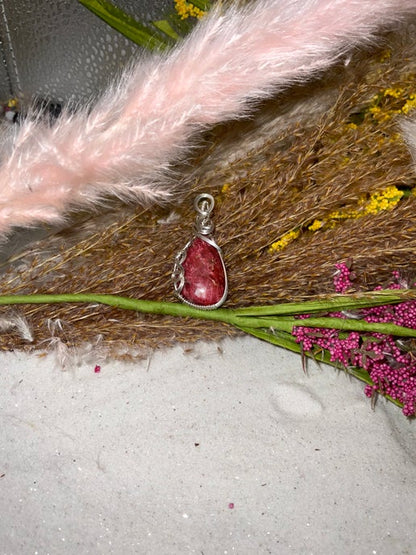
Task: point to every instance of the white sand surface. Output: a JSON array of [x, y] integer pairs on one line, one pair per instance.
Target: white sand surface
[[207, 451]]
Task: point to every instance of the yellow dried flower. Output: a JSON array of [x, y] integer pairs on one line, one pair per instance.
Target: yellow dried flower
[[342, 215], [386, 199], [410, 104], [395, 93], [395, 137], [385, 56], [383, 200], [316, 224], [379, 108], [187, 9], [284, 241]]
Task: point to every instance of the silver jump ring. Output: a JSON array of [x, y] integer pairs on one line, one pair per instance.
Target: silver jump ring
[[204, 204]]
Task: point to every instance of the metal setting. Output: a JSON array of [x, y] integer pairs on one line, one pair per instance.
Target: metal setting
[[204, 226], [178, 275]]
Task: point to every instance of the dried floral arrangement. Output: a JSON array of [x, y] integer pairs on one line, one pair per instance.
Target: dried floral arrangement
[[320, 175]]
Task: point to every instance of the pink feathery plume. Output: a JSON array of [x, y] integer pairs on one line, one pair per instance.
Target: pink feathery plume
[[126, 145]]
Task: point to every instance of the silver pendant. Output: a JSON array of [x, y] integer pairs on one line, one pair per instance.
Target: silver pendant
[[199, 274]]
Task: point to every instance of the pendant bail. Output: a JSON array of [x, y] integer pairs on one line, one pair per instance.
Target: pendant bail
[[204, 205]]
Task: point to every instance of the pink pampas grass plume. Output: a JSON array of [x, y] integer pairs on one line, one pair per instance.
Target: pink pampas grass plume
[[126, 145]]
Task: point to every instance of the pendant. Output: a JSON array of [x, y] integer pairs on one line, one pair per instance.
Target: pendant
[[199, 275]]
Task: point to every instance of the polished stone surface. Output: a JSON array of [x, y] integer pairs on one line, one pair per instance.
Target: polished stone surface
[[205, 279]]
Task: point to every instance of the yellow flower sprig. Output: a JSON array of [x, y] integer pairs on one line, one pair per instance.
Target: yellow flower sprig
[[386, 199], [188, 9], [384, 105], [285, 240]]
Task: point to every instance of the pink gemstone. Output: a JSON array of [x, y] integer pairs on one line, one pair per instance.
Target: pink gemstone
[[204, 274]]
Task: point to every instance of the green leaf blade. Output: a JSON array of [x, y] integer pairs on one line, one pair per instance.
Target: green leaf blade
[[332, 303], [137, 32], [164, 26]]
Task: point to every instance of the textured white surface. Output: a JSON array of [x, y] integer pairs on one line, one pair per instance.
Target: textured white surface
[[58, 49], [147, 458]]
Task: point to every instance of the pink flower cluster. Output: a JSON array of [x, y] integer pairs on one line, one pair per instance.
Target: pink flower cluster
[[389, 361]]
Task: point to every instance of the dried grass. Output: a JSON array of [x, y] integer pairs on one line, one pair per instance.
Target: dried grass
[[295, 161]]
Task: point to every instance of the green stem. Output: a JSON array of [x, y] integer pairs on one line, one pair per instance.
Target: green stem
[[126, 303], [355, 325], [235, 317]]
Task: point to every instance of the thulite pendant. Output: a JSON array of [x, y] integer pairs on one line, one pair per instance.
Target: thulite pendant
[[203, 273], [199, 274]]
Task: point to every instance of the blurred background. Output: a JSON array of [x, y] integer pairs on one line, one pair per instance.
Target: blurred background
[[57, 49]]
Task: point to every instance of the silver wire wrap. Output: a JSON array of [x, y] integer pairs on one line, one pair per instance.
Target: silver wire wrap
[[204, 205], [204, 226]]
